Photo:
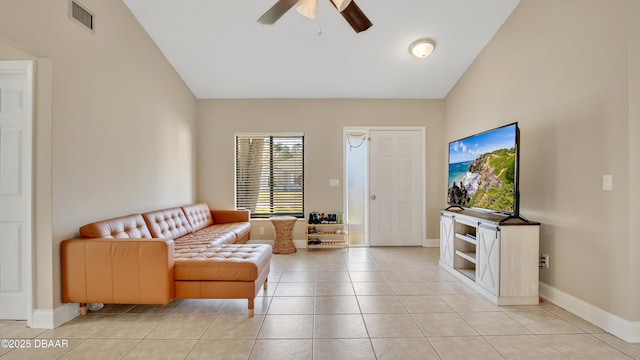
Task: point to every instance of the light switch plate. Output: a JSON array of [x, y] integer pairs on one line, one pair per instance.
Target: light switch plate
[[607, 182]]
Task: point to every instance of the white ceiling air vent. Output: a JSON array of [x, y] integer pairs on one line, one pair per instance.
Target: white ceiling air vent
[[81, 15]]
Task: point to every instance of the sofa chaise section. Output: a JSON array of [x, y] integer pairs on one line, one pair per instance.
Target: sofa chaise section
[[239, 270]]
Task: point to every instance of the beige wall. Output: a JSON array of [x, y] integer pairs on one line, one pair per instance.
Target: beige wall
[[322, 121], [634, 155], [560, 68], [121, 122]]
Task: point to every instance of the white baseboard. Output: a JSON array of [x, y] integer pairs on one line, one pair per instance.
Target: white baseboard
[[431, 243], [50, 319], [299, 244], [302, 244], [268, 242], [626, 330]]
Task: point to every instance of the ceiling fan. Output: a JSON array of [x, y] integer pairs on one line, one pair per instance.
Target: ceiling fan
[[348, 8]]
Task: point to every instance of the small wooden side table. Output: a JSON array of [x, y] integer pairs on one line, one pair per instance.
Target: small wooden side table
[[283, 228]]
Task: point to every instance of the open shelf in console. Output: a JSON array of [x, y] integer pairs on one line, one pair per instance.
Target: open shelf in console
[[471, 239], [464, 245], [469, 256]]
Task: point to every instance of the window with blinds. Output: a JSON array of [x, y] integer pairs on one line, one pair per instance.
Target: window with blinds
[[270, 175]]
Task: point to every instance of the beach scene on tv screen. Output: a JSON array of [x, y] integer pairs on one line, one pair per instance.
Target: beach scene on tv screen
[[482, 170]]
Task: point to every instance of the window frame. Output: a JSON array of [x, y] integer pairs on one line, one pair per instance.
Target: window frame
[[270, 136]]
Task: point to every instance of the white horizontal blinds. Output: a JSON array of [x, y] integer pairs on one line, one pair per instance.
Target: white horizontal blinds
[[270, 175]]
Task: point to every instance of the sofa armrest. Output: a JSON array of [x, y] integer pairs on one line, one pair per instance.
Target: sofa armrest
[[117, 271], [230, 216]]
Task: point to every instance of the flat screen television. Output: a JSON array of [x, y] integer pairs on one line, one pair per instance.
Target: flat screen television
[[483, 171]]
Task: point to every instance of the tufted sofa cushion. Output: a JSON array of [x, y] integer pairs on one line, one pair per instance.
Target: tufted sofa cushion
[[130, 226], [225, 262], [210, 237], [198, 215], [168, 223]]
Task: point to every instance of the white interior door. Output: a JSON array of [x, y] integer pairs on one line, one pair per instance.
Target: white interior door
[[396, 187], [15, 188]]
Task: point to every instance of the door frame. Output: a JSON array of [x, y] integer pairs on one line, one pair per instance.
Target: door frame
[[22, 66], [423, 162]]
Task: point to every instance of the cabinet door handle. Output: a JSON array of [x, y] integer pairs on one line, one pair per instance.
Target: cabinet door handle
[[373, 197]]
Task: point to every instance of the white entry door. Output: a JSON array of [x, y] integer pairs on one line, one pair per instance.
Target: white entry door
[[396, 187], [15, 188]]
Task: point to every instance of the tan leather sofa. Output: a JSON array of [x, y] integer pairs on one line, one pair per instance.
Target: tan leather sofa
[[152, 258]]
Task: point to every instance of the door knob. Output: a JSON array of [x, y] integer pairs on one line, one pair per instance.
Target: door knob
[[373, 197]]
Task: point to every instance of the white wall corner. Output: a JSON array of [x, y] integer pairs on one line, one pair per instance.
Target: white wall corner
[[50, 319], [626, 330]]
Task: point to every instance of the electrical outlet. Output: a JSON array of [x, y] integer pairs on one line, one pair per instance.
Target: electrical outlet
[[261, 230], [546, 260]]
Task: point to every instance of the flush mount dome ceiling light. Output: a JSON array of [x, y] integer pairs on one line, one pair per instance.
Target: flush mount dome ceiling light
[[422, 48]]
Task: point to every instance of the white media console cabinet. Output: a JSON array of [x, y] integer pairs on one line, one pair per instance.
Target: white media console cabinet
[[498, 258]]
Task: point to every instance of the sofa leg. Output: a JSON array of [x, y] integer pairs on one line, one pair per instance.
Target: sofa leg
[[83, 309], [250, 307], [266, 284]]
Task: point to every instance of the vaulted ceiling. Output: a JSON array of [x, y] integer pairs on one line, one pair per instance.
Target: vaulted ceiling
[[221, 51]]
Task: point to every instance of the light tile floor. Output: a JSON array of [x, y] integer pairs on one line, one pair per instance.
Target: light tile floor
[[359, 303]]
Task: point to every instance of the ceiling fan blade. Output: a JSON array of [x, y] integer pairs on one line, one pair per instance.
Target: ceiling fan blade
[[355, 17], [341, 4], [277, 10]]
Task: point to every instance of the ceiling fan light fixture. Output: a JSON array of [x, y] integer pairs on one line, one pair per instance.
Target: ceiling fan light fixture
[[422, 48], [341, 4], [308, 8]]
